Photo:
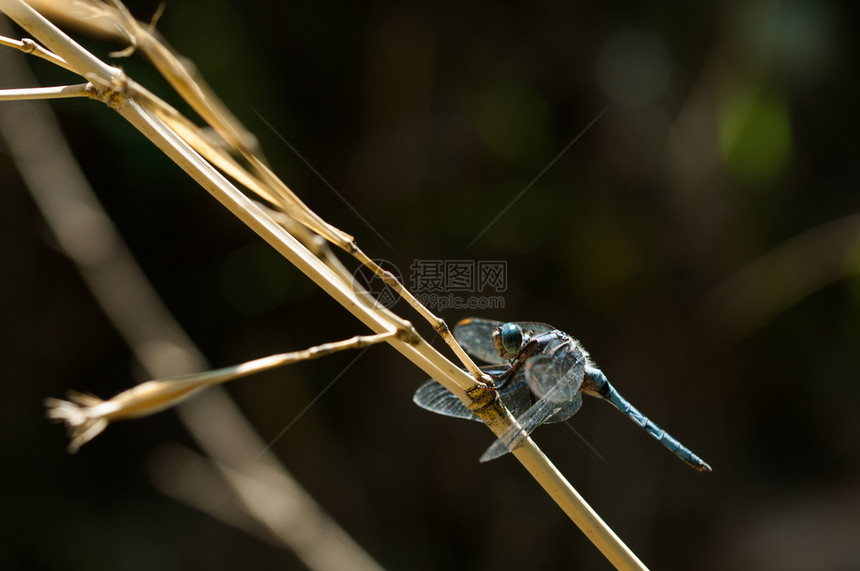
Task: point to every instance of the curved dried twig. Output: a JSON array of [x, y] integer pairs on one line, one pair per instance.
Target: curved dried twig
[[128, 99]]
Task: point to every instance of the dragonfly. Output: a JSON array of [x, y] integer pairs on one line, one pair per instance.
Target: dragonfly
[[540, 374]]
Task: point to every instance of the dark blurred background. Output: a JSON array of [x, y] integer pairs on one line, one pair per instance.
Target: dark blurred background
[[696, 238]]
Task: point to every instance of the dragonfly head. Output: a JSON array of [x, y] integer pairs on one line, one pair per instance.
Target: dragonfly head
[[507, 340]]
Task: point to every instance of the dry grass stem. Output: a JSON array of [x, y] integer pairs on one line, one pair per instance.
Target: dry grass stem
[[84, 231], [28, 46], [231, 495], [87, 415], [189, 148], [60, 92]]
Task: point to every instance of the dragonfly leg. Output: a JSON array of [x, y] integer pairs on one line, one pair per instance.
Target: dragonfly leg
[[502, 380]]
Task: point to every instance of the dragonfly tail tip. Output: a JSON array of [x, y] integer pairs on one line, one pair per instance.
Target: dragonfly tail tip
[[702, 466]]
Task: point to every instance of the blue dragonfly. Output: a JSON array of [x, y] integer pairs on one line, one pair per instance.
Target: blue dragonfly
[[540, 374]]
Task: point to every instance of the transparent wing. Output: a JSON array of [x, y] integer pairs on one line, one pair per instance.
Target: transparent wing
[[557, 379], [514, 436], [535, 327], [434, 397], [476, 336], [558, 373], [547, 379]]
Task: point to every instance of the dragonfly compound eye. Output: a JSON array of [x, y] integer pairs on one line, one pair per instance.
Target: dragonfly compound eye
[[512, 338]]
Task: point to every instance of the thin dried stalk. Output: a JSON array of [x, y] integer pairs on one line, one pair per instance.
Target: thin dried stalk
[[60, 92], [230, 495], [89, 239], [28, 46], [119, 93], [87, 415]]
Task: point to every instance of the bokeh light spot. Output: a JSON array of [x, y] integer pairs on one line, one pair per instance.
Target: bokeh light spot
[[755, 134]]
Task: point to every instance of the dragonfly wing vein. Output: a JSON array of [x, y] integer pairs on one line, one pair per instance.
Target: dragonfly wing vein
[[513, 436], [476, 337]]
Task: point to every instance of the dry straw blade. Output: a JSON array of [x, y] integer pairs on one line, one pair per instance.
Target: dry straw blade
[[87, 415], [189, 148]]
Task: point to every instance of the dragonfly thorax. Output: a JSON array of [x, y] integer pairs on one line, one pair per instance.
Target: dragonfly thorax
[[508, 340]]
